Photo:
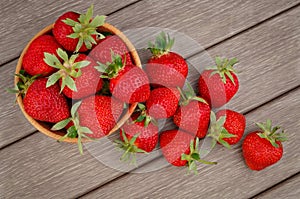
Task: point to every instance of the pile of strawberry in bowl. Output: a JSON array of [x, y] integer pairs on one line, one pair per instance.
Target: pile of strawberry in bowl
[[80, 79]]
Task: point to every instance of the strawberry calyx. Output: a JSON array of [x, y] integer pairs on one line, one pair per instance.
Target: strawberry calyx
[[76, 130], [271, 133], [143, 116], [129, 147], [194, 156], [224, 67], [188, 95], [162, 45], [111, 69], [217, 131], [25, 80], [67, 70], [85, 27]]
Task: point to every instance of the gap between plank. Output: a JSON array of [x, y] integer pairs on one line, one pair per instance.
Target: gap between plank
[[247, 112], [245, 30], [275, 185]]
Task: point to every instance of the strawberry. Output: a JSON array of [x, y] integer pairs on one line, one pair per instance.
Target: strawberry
[[218, 84], [137, 137], [78, 32], [226, 127], [165, 68], [77, 73], [193, 114], [180, 149], [263, 148], [33, 62], [45, 104], [162, 102], [128, 82], [99, 114], [112, 43]]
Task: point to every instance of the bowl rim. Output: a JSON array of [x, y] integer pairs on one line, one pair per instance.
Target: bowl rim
[[38, 124]]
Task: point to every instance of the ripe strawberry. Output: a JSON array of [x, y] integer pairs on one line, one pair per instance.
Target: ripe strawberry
[[33, 62], [263, 148], [102, 52], [78, 32], [180, 148], [99, 114], [218, 84], [226, 127], [193, 114], [78, 67], [137, 137], [166, 68], [45, 104], [162, 102], [128, 82]]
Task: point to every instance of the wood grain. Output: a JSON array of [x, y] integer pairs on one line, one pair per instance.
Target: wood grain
[[21, 21], [230, 178], [207, 21], [13, 124], [287, 189], [41, 168]]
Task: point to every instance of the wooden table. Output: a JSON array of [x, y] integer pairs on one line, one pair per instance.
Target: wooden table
[[264, 35]]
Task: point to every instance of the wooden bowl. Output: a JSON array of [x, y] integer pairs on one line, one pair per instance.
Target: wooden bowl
[[44, 127]]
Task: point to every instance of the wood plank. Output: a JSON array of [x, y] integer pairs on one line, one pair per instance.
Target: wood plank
[[13, 124], [22, 20], [230, 178], [38, 167], [187, 47], [40, 145], [207, 22], [287, 189]]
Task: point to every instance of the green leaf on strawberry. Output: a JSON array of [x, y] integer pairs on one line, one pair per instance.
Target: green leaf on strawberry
[[270, 133], [75, 130], [217, 131], [23, 84], [194, 157], [128, 145], [162, 45], [85, 27], [224, 67], [67, 70]]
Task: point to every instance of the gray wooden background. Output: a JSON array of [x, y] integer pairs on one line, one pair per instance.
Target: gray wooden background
[[264, 35]]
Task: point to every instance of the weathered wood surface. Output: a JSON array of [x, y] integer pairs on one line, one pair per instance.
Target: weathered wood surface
[[181, 45], [38, 167], [230, 178], [286, 189], [22, 20]]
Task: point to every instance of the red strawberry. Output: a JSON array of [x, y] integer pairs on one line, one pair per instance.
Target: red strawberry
[[128, 83], [137, 137], [226, 127], [162, 102], [102, 52], [263, 148], [218, 84], [45, 104], [166, 68], [77, 32], [193, 114], [77, 73], [99, 114], [180, 149], [88, 83], [33, 62]]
